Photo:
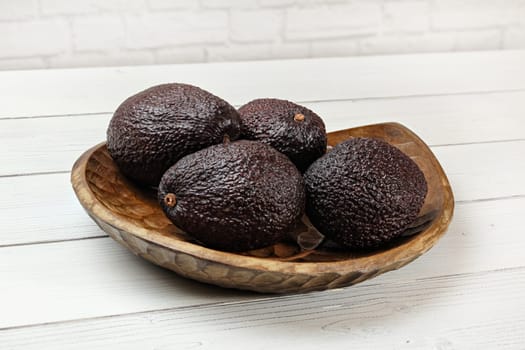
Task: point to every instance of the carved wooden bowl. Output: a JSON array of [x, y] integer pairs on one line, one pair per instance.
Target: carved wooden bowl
[[132, 216]]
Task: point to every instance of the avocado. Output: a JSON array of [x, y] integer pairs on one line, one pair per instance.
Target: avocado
[[364, 193], [153, 129], [291, 129], [234, 196]]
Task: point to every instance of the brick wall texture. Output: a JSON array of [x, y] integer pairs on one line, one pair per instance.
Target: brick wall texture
[[82, 33]]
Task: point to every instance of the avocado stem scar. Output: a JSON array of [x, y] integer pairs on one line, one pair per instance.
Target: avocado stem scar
[[299, 117], [226, 138], [170, 200]]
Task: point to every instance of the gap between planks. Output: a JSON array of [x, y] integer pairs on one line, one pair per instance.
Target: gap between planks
[[431, 146], [355, 100], [269, 299], [104, 235], [35, 200], [357, 77], [53, 144], [384, 302]]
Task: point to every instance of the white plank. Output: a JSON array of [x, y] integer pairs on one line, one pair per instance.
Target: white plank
[[42, 208], [475, 311], [60, 281], [46, 144], [487, 170], [92, 90], [437, 119], [53, 144], [97, 277]]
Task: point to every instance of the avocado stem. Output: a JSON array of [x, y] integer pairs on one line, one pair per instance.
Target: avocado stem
[[226, 138], [170, 200], [299, 117]]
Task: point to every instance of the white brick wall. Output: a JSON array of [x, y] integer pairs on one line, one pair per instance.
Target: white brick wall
[[71, 33], [356, 18]]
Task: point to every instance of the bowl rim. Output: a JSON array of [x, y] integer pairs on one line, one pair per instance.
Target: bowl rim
[[397, 255]]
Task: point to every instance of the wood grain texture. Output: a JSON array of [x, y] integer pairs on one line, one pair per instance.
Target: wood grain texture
[[462, 312], [133, 218], [95, 90], [98, 277]]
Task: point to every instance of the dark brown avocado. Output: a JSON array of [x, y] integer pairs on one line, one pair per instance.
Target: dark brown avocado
[[234, 196], [291, 129], [153, 129], [364, 193]]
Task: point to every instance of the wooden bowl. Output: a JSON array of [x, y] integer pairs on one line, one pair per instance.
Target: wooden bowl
[[132, 216]]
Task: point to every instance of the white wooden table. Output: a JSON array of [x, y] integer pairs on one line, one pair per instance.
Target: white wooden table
[[64, 284]]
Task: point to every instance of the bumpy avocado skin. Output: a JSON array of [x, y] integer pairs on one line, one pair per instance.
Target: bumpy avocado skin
[[153, 129], [235, 196], [364, 193], [272, 121]]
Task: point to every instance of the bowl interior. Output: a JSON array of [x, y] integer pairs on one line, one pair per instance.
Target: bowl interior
[[135, 209]]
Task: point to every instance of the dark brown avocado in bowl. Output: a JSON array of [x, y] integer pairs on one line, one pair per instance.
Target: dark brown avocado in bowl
[[292, 129], [235, 196], [364, 193], [153, 129]]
